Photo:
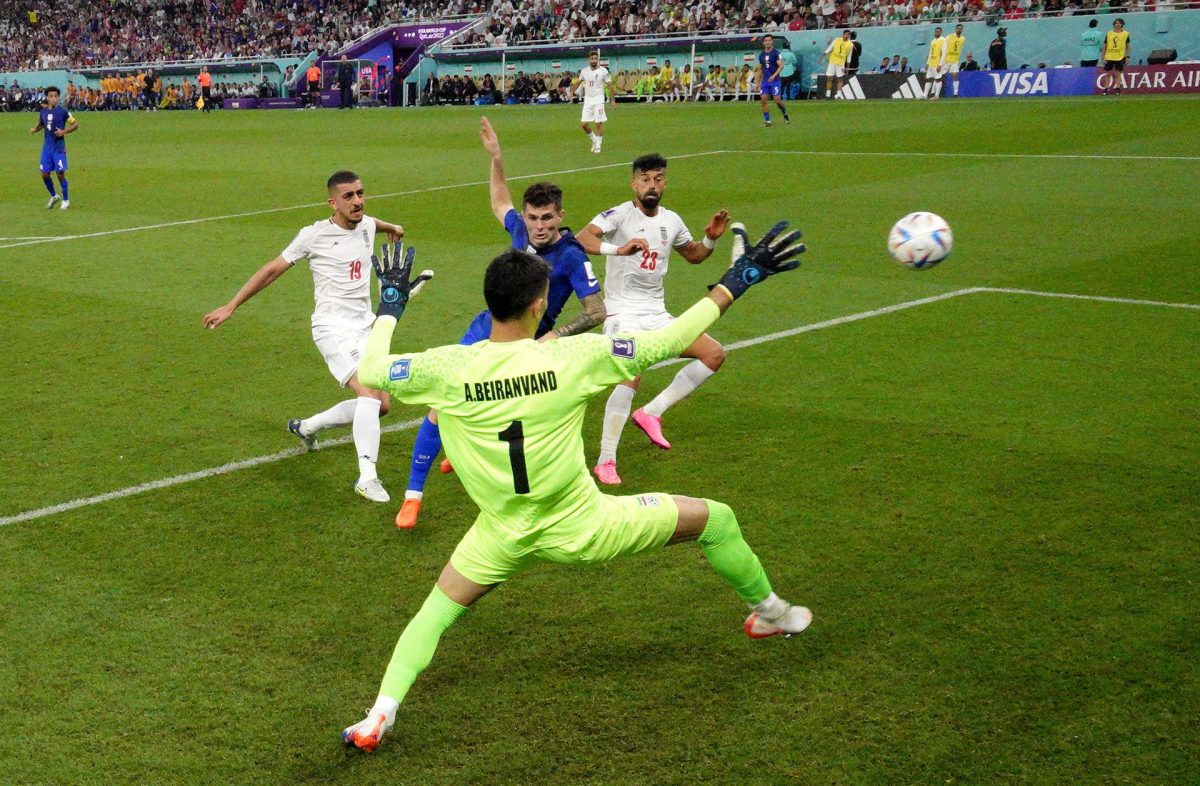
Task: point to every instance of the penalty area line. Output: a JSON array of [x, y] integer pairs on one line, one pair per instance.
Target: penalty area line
[[270, 458]]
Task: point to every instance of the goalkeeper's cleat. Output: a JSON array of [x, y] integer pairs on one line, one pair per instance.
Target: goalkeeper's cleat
[[446, 467], [792, 621], [366, 734], [606, 473], [372, 489], [66, 203], [652, 426], [409, 511], [54, 200], [309, 440]]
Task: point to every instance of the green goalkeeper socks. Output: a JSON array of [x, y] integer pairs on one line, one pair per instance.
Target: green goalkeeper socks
[[420, 638], [730, 556]]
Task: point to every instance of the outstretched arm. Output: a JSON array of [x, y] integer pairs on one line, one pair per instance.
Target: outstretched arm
[[498, 187], [697, 251], [261, 279], [593, 314], [591, 237]]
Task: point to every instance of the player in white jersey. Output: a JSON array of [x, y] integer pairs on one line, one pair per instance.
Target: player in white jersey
[[636, 239], [338, 250], [594, 81]]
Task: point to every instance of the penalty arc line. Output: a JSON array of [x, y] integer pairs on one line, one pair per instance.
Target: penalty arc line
[[257, 461], [266, 211]]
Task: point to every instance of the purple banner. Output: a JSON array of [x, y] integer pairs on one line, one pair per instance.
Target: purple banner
[[1180, 78], [415, 35]]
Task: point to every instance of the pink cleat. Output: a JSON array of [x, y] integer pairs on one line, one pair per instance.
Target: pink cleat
[[653, 428], [791, 622], [606, 473]]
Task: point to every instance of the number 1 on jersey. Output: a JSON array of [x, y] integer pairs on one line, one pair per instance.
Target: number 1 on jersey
[[514, 435]]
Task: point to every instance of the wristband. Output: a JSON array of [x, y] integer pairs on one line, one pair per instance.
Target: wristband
[[709, 243], [608, 249]]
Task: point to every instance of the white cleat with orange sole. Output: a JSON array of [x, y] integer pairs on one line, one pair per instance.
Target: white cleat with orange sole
[[366, 734], [794, 620]]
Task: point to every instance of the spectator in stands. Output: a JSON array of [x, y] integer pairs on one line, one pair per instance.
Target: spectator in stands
[[489, 88], [884, 67], [904, 67], [970, 64]]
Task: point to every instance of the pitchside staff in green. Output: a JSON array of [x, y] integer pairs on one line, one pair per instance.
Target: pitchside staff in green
[[511, 418]]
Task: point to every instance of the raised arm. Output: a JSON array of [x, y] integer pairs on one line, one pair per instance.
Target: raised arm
[[697, 251], [261, 279], [498, 187]]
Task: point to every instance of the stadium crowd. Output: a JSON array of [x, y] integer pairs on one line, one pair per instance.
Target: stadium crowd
[[41, 34]]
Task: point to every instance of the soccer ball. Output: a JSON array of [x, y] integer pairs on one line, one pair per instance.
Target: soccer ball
[[920, 240]]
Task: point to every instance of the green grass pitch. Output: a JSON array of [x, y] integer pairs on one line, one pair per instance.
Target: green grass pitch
[[990, 501]]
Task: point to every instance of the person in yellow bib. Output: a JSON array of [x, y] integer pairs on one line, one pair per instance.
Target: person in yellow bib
[[1116, 53], [935, 66], [838, 51], [955, 43]]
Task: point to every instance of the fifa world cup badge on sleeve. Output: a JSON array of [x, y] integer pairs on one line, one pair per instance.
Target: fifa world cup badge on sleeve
[[399, 370], [624, 348]]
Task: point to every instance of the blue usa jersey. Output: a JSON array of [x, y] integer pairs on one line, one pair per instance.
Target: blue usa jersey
[[570, 271], [769, 62], [55, 119]]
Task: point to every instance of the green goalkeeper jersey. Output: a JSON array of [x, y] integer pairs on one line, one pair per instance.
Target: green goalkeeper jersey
[[511, 413]]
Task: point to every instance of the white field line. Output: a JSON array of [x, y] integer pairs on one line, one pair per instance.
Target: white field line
[[264, 211], [225, 469], [952, 154], [29, 237]]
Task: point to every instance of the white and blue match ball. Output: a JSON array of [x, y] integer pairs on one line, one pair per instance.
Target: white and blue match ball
[[920, 240]]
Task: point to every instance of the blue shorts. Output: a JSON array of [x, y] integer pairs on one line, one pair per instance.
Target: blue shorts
[[54, 162], [773, 88], [480, 329]]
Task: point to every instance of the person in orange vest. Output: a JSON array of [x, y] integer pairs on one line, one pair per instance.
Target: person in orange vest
[[313, 76], [205, 82]]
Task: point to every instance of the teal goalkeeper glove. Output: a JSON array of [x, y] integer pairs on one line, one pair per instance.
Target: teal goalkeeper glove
[[395, 288], [765, 258]]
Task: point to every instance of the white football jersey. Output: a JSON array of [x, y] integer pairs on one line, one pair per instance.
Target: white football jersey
[[593, 80], [340, 260], [633, 284]]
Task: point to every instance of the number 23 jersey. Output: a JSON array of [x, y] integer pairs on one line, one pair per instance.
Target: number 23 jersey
[[633, 284]]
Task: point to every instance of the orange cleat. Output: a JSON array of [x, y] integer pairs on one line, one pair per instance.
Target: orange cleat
[[791, 622], [366, 734], [407, 517], [446, 467]]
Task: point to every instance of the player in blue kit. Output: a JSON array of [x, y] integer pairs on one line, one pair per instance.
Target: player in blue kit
[[536, 229], [57, 122], [769, 66]]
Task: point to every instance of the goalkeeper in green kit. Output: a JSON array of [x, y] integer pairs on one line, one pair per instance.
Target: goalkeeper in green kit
[[511, 412]]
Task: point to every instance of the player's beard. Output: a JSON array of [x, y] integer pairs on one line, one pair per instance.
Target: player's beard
[[650, 200]]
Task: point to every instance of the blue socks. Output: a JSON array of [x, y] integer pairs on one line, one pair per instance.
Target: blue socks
[[425, 449], [49, 185], [766, 117], [63, 183]]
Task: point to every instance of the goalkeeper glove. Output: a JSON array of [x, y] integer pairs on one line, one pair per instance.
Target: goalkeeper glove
[[765, 258], [393, 266]]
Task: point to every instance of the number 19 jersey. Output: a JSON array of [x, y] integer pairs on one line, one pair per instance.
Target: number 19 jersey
[[340, 261], [633, 284]]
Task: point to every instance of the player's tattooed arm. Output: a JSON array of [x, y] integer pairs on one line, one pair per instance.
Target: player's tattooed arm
[[697, 251], [593, 314]]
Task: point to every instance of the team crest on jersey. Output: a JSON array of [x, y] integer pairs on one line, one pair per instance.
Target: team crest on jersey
[[399, 370], [663, 232], [366, 240], [649, 502], [624, 347]]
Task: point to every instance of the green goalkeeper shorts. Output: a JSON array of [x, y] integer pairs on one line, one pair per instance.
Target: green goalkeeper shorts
[[611, 527]]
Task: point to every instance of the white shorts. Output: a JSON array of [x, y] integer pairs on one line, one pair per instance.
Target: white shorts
[[630, 322], [935, 72], [342, 349], [835, 70], [951, 68], [593, 113]]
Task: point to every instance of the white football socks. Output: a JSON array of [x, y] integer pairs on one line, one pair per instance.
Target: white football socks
[[771, 607], [616, 412], [340, 414], [366, 436], [690, 377]]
